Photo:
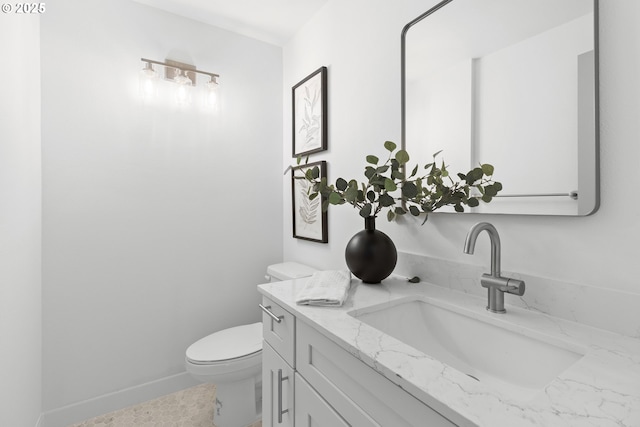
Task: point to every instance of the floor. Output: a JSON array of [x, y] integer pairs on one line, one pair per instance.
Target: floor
[[192, 407]]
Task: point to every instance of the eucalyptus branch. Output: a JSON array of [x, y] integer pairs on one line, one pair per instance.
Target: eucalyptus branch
[[418, 194]]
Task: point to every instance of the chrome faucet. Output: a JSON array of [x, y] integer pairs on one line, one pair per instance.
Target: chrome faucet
[[496, 284]]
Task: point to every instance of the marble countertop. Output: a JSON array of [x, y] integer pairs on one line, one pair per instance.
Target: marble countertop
[[601, 389]]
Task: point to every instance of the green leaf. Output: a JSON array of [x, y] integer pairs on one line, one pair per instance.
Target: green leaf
[[473, 202], [389, 185], [341, 184], [402, 157], [369, 172], [490, 190], [458, 207], [400, 211], [396, 174], [308, 174], [478, 173], [382, 169], [390, 215], [372, 159], [409, 189], [334, 198], [487, 169], [366, 210], [444, 171], [315, 172], [313, 196], [386, 200], [360, 197], [436, 154], [474, 175], [371, 196], [351, 194], [391, 146], [414, 210], [413, 172], [325, 206]]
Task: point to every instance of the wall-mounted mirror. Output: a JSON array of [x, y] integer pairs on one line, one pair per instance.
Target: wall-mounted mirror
[[512, 83]]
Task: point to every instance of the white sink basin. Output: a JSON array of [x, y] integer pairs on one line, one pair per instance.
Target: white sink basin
[[516, 364]]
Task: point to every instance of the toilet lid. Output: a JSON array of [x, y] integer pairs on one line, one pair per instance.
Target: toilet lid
[[231, 343]]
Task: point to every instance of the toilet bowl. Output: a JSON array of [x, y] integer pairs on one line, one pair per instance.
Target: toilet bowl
[[232, 360]]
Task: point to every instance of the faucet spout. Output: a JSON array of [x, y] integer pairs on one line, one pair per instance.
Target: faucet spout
[[496, 284], [494, 237]]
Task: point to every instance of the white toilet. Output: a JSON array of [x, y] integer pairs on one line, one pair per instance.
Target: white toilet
[[232, 360]]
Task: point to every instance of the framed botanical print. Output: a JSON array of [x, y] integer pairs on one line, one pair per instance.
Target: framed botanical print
[[309, 221], [310, 114]]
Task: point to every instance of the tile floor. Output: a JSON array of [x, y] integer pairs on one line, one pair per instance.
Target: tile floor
[[192, 407]]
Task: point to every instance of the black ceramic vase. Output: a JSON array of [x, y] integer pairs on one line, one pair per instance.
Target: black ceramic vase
[[371, 255]]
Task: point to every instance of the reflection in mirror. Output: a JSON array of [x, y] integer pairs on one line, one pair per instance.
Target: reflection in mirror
[[512, 83]]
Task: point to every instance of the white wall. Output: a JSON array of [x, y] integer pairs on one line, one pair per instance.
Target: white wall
[[20, 222], [158, 223], [359, 42]]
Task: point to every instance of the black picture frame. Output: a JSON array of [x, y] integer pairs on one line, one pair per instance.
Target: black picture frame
[[309, 220], [309, 114]]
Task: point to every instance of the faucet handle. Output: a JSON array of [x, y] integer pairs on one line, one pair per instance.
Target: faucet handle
[[515, 287], [503, 284]]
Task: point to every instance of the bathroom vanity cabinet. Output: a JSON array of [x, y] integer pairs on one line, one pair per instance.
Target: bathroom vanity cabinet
[[308, 380], [361, 364]]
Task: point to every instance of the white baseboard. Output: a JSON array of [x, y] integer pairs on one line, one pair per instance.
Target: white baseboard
[[77, 412]]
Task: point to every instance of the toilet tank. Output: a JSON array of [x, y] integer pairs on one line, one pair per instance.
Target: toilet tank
[[288, 271]]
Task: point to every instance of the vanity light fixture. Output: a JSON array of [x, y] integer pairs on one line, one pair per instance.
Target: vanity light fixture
[[184, 75]]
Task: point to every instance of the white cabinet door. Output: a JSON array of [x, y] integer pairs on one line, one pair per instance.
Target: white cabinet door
[[312, 410], [277, 389]]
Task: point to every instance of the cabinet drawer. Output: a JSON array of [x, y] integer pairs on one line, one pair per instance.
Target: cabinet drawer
[[312, 410], [351, 387], [278, 329]]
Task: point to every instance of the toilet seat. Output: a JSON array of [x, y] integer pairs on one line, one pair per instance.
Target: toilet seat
[[228, 355], [234, 344]]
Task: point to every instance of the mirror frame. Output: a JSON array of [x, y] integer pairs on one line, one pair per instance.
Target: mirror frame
[[596, 49]]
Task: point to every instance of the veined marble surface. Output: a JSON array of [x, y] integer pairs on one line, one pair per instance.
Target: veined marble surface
[[601, 389], [602, 308]]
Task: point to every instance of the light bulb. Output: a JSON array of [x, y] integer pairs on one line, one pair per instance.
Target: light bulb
[[211, 95], [183, 91], [148, 82]]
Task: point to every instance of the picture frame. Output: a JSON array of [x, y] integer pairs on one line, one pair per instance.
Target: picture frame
[[309, 221], [309, 109]]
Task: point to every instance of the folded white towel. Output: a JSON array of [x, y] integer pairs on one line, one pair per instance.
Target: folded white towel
[[327, 288]]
